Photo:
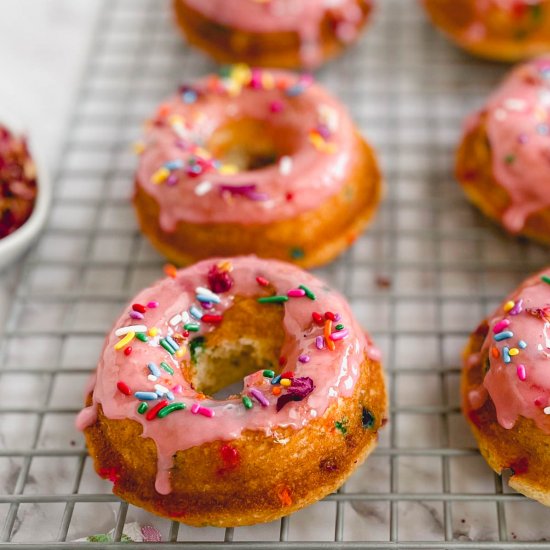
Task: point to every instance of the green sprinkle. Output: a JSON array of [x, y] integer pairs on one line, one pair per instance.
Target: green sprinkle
[[167, 367], [342, 426], [247, 402], [297, 253], [273, 299], [536, 12], [225, 71], [509, 159], [167, 346], [545, 279], [142, 409], [165, 411], [269, 373], [195, 346], [191, 327], [339, 326], [367, 419], [308, 292], [142, 336]]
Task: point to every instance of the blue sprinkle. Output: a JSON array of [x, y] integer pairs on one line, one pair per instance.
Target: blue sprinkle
[[146, 395], [154, 369], [196, 312], [209, 298], [189, 96], [172, 343], [522, 344], [275, 380], [170, 396], [506, 354], [295, 90], [196, 169], [173, 164], [504, 335]]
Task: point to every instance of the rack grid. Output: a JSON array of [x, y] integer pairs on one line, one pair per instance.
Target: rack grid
[[420, 279]]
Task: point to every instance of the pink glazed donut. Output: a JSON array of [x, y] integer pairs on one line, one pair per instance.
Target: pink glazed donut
[[254, 162], [503, 161], [506, 387], [311, 403], [272, 33]]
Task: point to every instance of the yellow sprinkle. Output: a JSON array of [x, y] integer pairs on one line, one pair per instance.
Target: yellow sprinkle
[[509, 305], [228, 169], [180, 353], [160, 175], [268, 81], [126, 340], [320, 144], [226, 265], [241, 73], [138, 147], [153, 331], [285, 382], [175, 119], [514, 351]]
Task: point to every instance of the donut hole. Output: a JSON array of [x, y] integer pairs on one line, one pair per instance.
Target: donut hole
[[251, 144], [249, 339]]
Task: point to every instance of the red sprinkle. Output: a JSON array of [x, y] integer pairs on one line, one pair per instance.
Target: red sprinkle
[[230, 457], [262, 281], [330, 315], [317, 317], [138, 307], [123, 388], [185, 333], [211, 318], [152, 413], [128, 350], [287, 374]]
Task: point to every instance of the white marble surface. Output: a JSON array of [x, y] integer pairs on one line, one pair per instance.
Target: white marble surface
[[42, 46]]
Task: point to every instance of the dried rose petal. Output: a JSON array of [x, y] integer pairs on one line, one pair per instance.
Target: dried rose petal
[[301, 387], [218, 280]]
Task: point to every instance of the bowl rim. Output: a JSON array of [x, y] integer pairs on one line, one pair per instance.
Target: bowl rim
[[22, 237]]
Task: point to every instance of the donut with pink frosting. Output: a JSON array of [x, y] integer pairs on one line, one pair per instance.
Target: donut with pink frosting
[[309, 400], [503, 161], [502, 30], [272, 33], [506, 387], [251, 161]]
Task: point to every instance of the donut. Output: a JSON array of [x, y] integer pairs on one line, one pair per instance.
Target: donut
[[500, 30], [18, 183], [272, 33], [506, 387], [312, 401], [254, 162], [503, 161]]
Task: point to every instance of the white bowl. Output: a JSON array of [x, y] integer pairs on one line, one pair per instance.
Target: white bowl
[[14, 245]]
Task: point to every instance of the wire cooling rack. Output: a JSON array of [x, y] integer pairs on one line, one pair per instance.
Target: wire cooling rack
[[420, 279]]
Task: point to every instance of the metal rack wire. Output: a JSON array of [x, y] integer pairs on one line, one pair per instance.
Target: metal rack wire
[[420, 279]]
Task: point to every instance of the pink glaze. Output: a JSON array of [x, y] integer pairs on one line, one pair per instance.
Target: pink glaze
[[334, 373], [301, 16], [297, 183], [518, 129], [519, 391]]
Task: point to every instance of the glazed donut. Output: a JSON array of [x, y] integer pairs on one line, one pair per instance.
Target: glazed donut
[[272, 33], [501, 30], [506, 387], [254, 162], [503, 161], [313, 394]]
